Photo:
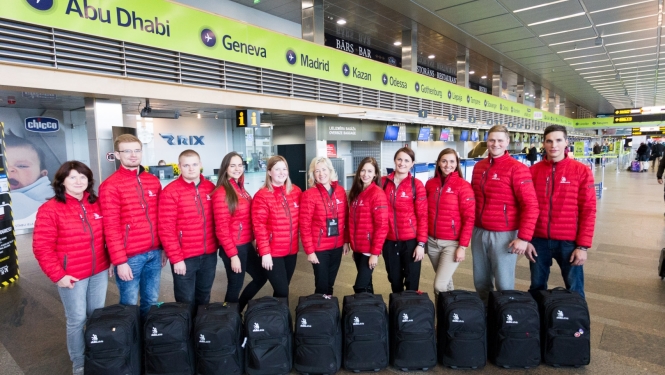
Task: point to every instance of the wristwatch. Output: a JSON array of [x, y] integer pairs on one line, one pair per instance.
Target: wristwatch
[[582, 248], [422, 244]]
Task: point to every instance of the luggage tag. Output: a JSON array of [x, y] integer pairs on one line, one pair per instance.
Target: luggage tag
[[332, 227]]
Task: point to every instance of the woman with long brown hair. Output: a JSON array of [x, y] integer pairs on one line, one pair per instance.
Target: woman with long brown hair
[[275, 216], [451, 212], [233, 226], [368, 222], [68, 242]]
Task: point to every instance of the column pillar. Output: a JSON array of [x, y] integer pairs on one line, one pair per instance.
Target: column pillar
[[463, 67], [497, 80], [562, 105], [312, 21], [519, 90], [410, 48], [99, 118], [311, 135]]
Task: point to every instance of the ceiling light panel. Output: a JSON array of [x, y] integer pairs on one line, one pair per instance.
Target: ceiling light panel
[[564, 31], [593, 67], [643, 41], [635, 24], [601, 6], [599, 71], [633, 56], [632, 50], [620, 15], [583, 56], [556, 19], [589, 62], [575, 48]]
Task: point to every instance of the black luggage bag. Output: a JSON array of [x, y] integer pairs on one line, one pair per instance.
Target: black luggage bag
[[269, 331], [318, 335], [365, 319], [412, 339], [513, 327], [218, 338], [461, 330], [113, 341], [565, 327], [167, 339]]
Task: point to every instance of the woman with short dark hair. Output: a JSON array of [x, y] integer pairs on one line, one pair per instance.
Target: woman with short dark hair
[[68, 242]]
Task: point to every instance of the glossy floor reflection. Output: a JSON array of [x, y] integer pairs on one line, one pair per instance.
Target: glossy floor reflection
[[626, 298]]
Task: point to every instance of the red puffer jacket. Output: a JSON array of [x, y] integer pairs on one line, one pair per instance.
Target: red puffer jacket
[[186, 223], [68, 239], [451, 208], [317, 205], [275, 219], [368, 221], [407, 216], [505, 198], [567, 201], [129, 204], [236, 229]]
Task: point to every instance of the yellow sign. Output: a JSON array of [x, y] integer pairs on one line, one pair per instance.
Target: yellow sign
[[248, 117], [624, 119], [578, 150]]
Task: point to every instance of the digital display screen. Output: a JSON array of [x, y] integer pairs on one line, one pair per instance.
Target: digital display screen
[[391, 133], [464, 135], [423, 135], [445, 135], [474, 136]]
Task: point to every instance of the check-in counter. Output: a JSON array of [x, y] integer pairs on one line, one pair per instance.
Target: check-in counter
[[466, 166]]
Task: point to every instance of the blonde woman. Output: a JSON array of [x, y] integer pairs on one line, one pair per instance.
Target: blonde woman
[[323, 222]]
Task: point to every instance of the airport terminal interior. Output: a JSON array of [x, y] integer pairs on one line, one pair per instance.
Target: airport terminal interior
[[343, 79]]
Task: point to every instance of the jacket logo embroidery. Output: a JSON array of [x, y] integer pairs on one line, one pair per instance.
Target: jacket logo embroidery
[[404, 195], [97, 216], [564, 181], [496, 177], [338, 201], [151, 194], [208, 197], [360, 203], [449, 190], [295, 204]]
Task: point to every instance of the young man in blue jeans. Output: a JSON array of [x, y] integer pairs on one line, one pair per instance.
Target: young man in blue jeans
[[567, 214], [129, 199]]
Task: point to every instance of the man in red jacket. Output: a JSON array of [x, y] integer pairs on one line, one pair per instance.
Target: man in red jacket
[[506, 213], [187, 230], [129, 199], [567, 201]]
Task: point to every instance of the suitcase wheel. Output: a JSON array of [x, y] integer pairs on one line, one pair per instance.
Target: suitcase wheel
[[377, 369], [356, 371]]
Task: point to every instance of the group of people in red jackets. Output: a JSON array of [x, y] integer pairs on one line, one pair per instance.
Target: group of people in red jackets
[[546, 213]]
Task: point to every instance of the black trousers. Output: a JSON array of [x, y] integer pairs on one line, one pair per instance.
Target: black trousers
[[403, 271], [281, 273], [364, 277], [194, 286], [325, 272], [236, 280], [259, 279]]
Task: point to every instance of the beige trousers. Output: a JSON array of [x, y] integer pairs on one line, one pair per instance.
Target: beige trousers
[[442, 255]]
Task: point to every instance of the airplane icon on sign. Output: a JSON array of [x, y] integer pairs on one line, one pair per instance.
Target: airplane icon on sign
[[207, 37], [291, 57]]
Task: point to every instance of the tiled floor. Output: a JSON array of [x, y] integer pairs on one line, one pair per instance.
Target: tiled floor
[[626, 298]]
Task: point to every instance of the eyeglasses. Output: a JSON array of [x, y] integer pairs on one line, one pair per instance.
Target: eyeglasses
[[129, 152]]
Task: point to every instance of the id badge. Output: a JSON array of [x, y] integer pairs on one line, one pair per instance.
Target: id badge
[[332, 227]]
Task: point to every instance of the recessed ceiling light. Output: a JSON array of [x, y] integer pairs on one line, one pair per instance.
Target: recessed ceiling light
[[483, 77], [630, 57], [557, 19], [572, 41], [398, 43], [565, 31], [538, 6], [630, 49], [198, 115], [626, 20], [581, 57], [629, 32], [577, 49], [593, 67], [341, 21], [431, 56], [635, 62], [589, 62], [629, 41], [471, 71]]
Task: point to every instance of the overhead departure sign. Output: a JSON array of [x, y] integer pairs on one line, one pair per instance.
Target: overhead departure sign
[[623, 119], [627, 111]]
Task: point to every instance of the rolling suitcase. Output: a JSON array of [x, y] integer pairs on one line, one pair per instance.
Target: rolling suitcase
[[268, 329], [635, 166], [461, 330], [513, 329], [318, 335], [167, 339], [218, 338], [661, 264], [412, 340], [565, 327], [113, 341], [365, 320]]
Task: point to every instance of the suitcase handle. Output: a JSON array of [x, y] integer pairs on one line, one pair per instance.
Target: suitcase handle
[[365, 295], [513, 292], [561, 290]]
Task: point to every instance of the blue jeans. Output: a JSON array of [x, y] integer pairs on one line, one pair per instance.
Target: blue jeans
[[146, 269], [194, 287], [79, 302], [573, 276]]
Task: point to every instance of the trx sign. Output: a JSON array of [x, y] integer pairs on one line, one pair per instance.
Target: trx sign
[[42, 124], [248, 117]]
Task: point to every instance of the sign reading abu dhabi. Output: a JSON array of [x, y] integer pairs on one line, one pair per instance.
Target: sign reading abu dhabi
[[171, 26]]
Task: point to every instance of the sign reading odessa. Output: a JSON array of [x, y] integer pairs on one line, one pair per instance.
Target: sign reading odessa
[[42, 124]]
